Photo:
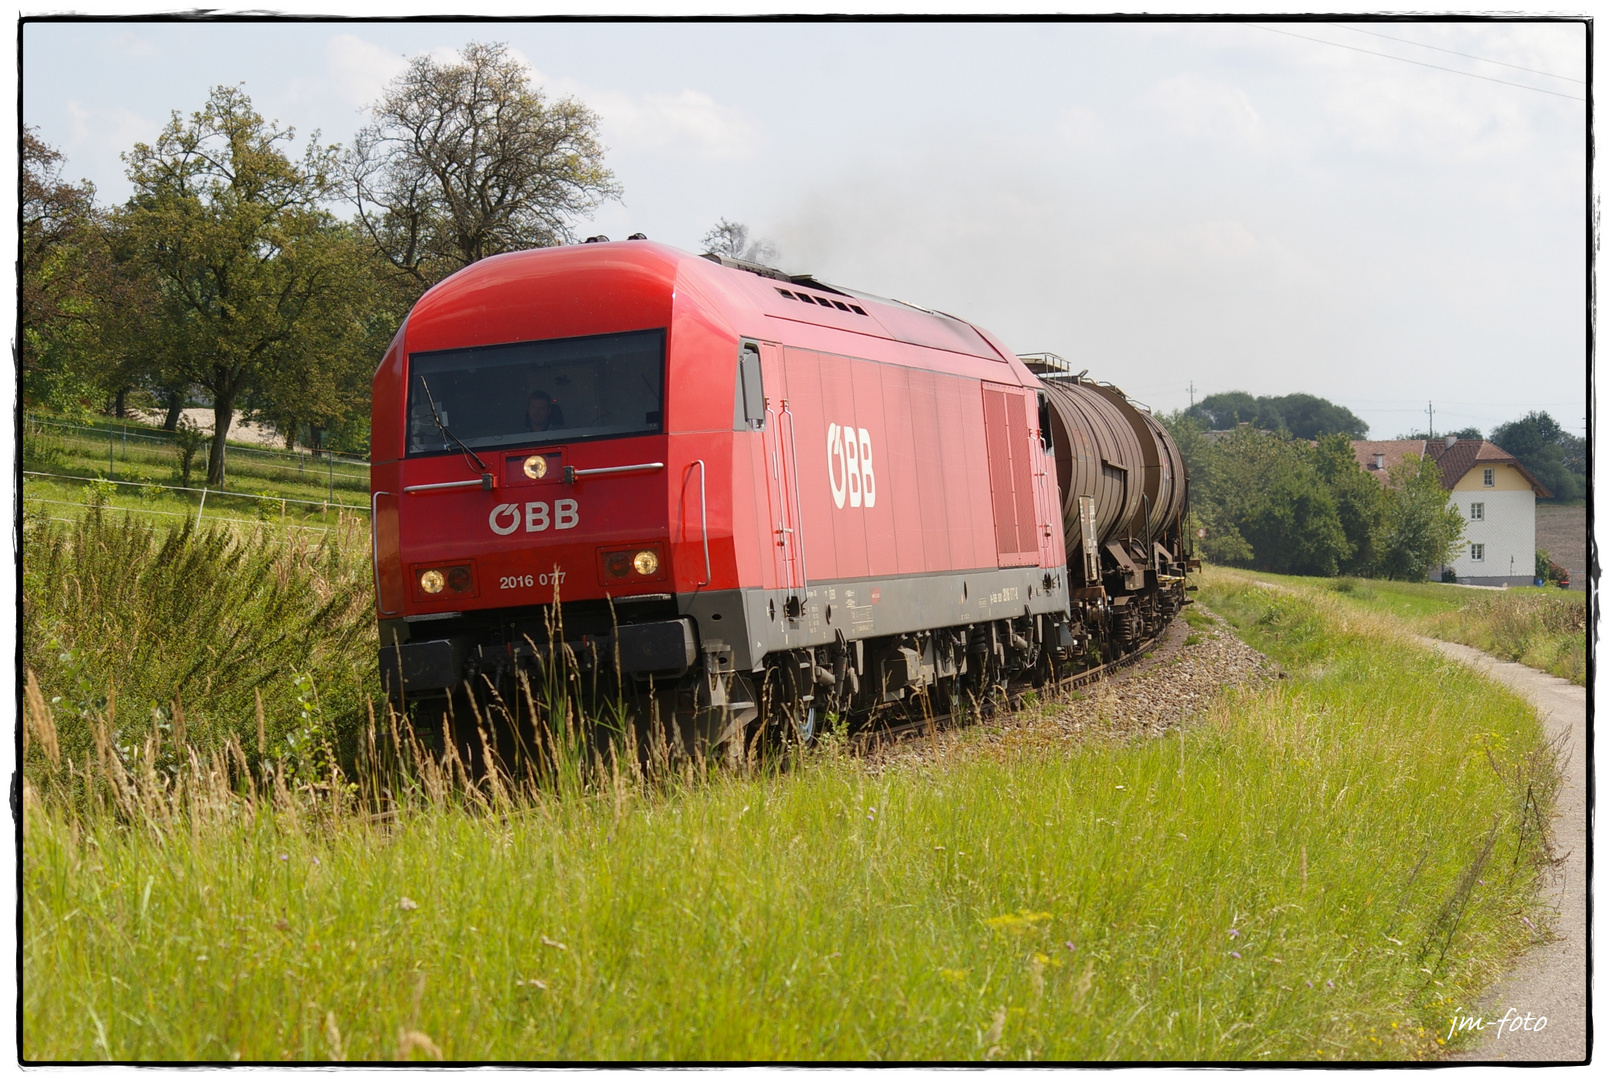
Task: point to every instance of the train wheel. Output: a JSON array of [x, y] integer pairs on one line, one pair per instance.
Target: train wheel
[[802, 720], [788, 718]]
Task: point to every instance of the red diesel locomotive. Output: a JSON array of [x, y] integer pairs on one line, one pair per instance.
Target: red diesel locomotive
[[759, 491]]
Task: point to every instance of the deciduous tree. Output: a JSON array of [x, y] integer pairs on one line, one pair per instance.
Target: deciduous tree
[[252, 273], [466, 159], [732, 239], [1302, 415], [1263, 503], [1420, 531], [1547, 450], [70, 285], [1360, 502]]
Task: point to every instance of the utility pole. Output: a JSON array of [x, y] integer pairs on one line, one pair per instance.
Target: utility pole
[[1192, 393], [1430, 408]]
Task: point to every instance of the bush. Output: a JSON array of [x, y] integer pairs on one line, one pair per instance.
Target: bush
[[100, 491], [150, 629], [188, 439]]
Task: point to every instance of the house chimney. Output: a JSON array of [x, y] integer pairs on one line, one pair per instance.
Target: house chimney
[[1450, 440], [1379, 461]]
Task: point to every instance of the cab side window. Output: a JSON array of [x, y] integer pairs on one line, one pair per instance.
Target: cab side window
[[749, 408]]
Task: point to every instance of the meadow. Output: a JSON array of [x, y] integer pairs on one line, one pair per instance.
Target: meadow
[[1544, 628], [136, 468], [1320, 867]]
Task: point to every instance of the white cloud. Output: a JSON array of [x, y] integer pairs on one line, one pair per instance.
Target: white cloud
[[689, 121], [1430, 119], [1205, 110], [358, 70], [136, 47], [98, 132]]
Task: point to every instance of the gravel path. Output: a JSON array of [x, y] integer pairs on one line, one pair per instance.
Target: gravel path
[[1551, 979]]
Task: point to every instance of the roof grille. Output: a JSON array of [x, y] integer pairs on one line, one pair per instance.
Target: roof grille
[[822, 300]]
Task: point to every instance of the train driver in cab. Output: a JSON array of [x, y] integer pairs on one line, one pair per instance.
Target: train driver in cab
[[542, 412]]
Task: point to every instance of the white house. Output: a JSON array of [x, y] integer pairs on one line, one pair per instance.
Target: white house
[[1495, 494]]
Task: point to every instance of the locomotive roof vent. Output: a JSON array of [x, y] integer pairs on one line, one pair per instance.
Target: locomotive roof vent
[[822, 300], [744, 264]]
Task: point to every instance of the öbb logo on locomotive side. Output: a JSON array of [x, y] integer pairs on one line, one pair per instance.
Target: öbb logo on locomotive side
[[849, 466], [506, 517]]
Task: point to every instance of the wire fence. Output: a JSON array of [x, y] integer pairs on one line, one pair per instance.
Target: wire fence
[[142, 455], [143, 485], [254, 522]]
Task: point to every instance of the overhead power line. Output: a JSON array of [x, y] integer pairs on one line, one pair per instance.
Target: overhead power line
[[1417, 63], [1455, 52]]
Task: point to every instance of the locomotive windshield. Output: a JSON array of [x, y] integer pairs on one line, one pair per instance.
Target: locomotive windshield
[[605, 386]]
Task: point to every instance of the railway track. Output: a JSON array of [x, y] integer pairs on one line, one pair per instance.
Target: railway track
[[885, 736]]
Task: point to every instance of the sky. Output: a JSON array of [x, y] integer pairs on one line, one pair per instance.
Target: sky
[[1385, 214]]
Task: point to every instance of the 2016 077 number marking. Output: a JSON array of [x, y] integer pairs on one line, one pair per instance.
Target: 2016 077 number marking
[[526, 581]]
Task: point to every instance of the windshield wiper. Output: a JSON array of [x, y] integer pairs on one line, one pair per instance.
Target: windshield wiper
[[480, 466]]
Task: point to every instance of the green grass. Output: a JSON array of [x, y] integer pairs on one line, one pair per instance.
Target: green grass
[[1544, 628], [309, 485], [65, 501], [1361, 834]]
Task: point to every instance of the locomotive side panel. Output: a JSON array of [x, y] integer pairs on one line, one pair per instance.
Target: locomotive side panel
[[927, 480], [900, 404]]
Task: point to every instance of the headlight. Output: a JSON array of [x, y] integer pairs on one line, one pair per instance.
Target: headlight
[[432, 581], [645, 563], [536, 466], [458, 579]]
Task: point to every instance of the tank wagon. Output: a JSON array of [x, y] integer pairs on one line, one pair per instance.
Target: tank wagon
[[766, 495]]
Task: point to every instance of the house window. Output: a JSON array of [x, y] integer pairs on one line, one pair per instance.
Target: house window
[[1477, 511], [1477, 553], [1489, 477]]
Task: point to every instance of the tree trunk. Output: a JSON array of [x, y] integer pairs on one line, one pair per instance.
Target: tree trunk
[[315, 438], [120, 406], [175, 410], [223, 415]]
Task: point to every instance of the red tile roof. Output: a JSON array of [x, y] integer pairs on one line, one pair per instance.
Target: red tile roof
[[1455, 460]]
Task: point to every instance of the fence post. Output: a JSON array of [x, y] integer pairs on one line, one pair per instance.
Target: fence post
[[202, 507], [331, 458], [111, 466]]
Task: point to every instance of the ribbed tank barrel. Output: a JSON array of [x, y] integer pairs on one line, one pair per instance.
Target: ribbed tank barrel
[[1160, 465], [1170, 494], [1098, 458]]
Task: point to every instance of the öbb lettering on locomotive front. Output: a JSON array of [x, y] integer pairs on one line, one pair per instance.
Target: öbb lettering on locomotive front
[[849, 466], [506, 518]]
